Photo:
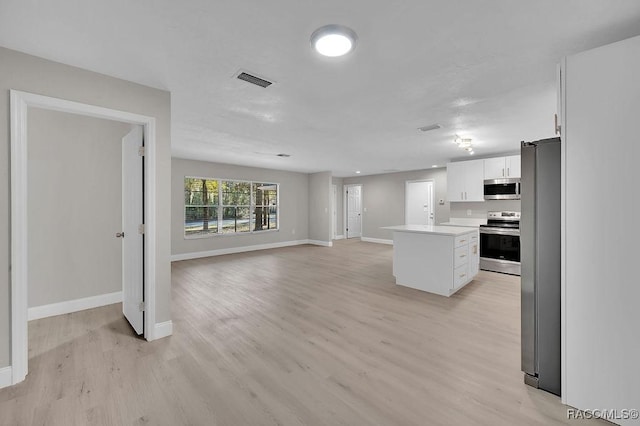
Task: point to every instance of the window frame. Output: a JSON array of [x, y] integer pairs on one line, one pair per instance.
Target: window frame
[[220, 209]]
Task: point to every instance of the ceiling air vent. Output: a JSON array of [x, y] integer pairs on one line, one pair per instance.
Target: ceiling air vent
[[429, 127], [254, 80]]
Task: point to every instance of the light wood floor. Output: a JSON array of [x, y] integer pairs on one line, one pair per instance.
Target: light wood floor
[[301, 335]]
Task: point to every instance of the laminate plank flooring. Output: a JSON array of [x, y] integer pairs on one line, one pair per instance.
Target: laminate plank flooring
[[302, 335]]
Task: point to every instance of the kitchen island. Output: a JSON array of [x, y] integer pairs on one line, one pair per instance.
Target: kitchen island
[[436, 259]]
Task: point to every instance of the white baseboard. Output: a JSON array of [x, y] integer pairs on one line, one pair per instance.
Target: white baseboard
[[162, 329], [6, 377], [232, 250], [76, 305], [376, 240], [339, 237], [320, 243]]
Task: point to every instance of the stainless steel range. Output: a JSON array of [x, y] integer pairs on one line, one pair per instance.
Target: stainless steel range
[[500, 243]]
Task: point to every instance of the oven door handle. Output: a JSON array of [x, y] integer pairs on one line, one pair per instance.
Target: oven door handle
[[500, 231]]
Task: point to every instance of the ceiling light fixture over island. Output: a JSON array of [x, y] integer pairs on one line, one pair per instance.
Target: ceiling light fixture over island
[[436, 259]]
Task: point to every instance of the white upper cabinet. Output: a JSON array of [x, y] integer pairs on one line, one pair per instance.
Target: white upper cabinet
[[465, 181], [513, 166], [455, 181], [502, 167], [494, 168]]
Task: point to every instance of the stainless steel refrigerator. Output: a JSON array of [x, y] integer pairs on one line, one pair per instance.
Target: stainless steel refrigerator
[[540, 263]]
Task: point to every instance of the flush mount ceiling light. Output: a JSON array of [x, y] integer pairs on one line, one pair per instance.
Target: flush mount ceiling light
[[464, 143], [333, 40]]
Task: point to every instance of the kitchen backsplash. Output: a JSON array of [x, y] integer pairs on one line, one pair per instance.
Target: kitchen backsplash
[[479, 209]]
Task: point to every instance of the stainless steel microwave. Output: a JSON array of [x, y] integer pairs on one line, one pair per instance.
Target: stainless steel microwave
[[502, 189]]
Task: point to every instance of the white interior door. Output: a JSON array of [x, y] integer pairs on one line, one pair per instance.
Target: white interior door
[[132, 238], [419, 203], [354, 211]]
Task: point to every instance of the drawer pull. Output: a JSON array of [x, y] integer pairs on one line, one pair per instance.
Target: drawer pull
[[463, 241], [463, 275], [463, 255]]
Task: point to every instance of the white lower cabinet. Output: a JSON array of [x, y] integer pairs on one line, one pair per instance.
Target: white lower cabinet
[[436, 259], [474, 255], [460, 276]]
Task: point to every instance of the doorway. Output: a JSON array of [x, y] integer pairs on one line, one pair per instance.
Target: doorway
[[419, 208], [353, 211], [21, 102]]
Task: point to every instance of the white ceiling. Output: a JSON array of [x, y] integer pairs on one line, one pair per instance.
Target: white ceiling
[[483, 69]]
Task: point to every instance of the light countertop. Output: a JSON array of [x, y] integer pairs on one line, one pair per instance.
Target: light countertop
[[431, 229], [465, 221]]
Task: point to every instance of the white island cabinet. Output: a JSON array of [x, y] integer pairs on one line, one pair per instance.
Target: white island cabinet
[[437, 259]]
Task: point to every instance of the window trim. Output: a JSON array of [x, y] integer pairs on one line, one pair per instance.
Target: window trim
[[220, 206]]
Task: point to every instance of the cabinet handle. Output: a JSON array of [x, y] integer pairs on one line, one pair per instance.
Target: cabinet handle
[[503, 172], [462, 275], [463, 241], [557, 127], [465, 195], [508, 172], [463, 255]]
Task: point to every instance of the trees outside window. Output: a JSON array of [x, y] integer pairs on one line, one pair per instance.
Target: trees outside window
[[215, 206]]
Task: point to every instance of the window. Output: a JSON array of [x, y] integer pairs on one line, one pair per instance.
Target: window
[[201, 200], [265, 202], [215, 206]]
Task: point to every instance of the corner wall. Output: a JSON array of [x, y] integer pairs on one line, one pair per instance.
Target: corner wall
[[320, 207], [31, 74], [338, 182]]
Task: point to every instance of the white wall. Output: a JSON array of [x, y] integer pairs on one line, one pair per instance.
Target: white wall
[[479, 209], [294, 206], [600, 245], [74, 206], [31, 74], [383, 196], [320, 207]]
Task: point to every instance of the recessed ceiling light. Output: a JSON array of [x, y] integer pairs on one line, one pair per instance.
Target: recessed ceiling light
[[434, 126], [435, 165], [357, 172], [333, 40]]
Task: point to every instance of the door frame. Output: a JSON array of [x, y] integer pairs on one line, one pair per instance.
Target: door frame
[[433, 196], [19, 104], [345, 222]]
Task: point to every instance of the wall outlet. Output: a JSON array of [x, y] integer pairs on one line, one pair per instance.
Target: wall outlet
[[441, 201], [469, 212]]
